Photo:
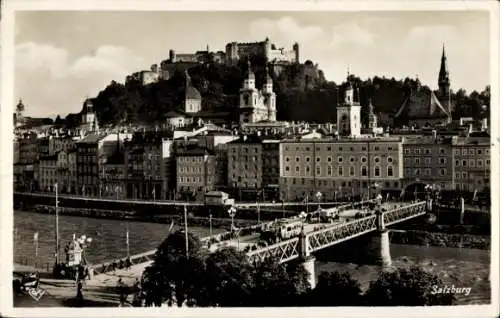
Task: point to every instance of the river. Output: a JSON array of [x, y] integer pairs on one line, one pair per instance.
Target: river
[[108, 236], [460, 267]]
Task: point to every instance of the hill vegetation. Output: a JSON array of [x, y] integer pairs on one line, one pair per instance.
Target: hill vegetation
[[219, 86]]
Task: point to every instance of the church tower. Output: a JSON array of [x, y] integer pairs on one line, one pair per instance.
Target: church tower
[[372, 117], [19, 118], [444, 93], [269, 96], [192, 100], [89, 119], [248, 99], [349, 114]]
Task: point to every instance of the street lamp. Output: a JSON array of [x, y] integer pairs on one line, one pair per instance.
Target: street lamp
[[319, 195], [232, 213]]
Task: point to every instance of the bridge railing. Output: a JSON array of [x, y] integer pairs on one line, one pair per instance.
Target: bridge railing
[[403, 213], [339, 233], [282, 252]]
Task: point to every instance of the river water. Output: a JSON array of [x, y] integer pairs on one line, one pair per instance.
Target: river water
[[458, 267]]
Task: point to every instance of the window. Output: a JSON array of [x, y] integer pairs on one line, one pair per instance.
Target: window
[[376, 159], [308, 159], [442, 172], [297, 159], [417, 161], [389, 148], [427, 171], [363, 159], [318, 159], [464, 163], [457, 163], [376, 148], [340, 148], [442, 151], [308, 169], [389, 159], [464, 152], [471, 152], [340, 172], [339, 159], [456, 152], [458, 175], [307, 148], [442, 161], [479, 151], [407, 151], [297, 169], [427, 151], [329, 159], [329, 171], [351, 159], [479, 162], [390, 171], [427, 161], [416, 172], [352, 149], [318, 170], [351, 171], [364, 171], [287, 168], [329, 148], [472, 163], [363, 148], [487, 162], [377, 171]]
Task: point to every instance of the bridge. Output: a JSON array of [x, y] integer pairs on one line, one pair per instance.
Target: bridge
[[240, 205], [312, 238]]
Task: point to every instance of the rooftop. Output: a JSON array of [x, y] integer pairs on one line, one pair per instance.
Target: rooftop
[[193, 150], [346, 139]]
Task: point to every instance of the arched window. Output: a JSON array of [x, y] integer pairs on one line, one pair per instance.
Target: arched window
[[390, 171], [377, 171], [364, 171]]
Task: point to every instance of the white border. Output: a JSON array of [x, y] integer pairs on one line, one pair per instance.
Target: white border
[[6, 110]]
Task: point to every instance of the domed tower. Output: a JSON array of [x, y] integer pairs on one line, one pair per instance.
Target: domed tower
[[269, 96], [19, 119], [296, 50], [248, 98]]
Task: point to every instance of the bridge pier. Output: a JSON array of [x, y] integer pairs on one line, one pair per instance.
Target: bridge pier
[[309, 265], [383, 244], [384, 251]]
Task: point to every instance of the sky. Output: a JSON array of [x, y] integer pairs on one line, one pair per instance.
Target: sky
[[63, 57]]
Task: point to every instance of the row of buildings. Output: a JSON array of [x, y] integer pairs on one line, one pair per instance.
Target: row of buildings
[[286, 162]]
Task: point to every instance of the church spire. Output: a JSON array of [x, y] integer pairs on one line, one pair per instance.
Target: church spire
[[444, 76], [250, 74]]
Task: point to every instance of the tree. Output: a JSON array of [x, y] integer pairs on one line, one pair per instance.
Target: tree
[[407, 287], [58, 122], [174, 277], [336, 289], [279, 284], [229, 278]]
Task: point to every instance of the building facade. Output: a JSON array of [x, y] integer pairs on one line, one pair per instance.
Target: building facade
[[47, 175], [245, 163], [428, 160], [339, 168], [88, 165], [471, 163], [144, 166], [196, 173]]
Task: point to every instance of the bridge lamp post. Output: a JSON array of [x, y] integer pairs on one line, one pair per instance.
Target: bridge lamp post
[[319, 195], [232, 213]]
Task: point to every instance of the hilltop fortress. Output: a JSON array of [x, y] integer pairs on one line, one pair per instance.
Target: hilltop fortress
[[279, 58]]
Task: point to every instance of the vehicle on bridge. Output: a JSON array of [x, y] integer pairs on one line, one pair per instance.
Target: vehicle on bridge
[[282, 230]]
